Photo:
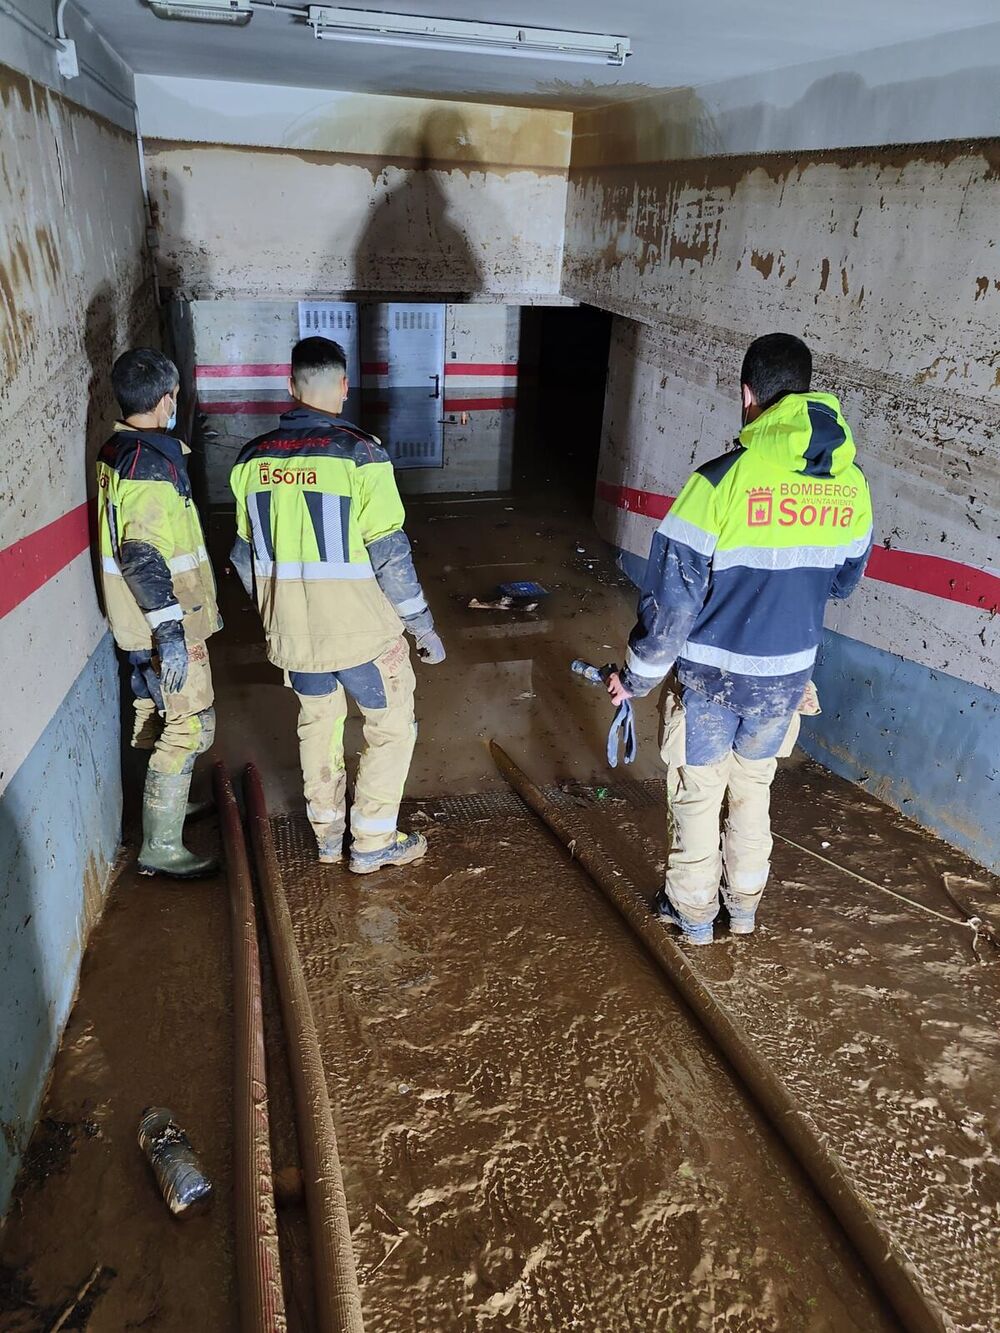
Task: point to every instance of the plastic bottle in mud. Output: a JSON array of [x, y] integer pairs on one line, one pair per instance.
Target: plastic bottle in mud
[[183, 1184]]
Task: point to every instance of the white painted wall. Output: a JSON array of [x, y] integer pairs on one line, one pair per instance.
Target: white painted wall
[[884, 260], [75, 288], [309, 193]]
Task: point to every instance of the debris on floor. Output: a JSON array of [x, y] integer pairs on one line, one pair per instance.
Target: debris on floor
[[185, 1188], [523, 595]]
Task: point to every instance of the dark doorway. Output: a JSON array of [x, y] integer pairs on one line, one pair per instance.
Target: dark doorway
[[563, 375]]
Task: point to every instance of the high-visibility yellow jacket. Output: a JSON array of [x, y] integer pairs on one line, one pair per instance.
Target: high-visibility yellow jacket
[[319, 532], [741, 568], [153, 563]]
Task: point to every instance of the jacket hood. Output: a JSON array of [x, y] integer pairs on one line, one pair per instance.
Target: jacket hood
[[802, 432]]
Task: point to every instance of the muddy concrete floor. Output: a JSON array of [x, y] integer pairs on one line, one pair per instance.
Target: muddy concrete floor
[[150, 1028], [534, 1134]]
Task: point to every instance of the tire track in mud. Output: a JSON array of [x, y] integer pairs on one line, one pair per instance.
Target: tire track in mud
[[535, 1135]]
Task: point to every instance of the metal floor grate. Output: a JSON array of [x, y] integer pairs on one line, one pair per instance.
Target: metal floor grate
[[476, 807]]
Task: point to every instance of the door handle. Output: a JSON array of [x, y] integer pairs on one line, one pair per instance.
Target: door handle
[[437, 385]]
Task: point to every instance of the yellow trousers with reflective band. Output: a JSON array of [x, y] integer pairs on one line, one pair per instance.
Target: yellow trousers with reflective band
[[390, 735], [700, 863], [187, 728], [696, 861]]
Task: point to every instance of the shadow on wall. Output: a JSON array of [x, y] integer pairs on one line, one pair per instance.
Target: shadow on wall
[[98, 343], [842, 109], [183, 267], [412, 245], [102, 412], [656, 128]]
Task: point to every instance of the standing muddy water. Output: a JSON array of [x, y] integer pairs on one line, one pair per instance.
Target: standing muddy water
[[535, 1134]]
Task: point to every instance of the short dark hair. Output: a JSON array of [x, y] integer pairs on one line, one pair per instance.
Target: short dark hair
[[776, 364], [317, 355], [140, 378]]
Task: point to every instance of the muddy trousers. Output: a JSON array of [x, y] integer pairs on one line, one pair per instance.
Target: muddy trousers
[[383, 691], [697, 866], [176, 727], [711, 752]]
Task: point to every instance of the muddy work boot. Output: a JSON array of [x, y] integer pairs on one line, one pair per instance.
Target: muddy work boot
[[741, 923], [695, 932], [407, 847], [164, 804], [330, 842]]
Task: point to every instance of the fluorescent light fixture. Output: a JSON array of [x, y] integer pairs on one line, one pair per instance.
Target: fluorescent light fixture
[[334, 23], [237, 13]]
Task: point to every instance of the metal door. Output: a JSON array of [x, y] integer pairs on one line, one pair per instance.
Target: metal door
[[337, 320], [413, 427]]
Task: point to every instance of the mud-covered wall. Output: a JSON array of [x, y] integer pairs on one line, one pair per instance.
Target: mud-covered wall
[[289, 192], [74, 286], [885, 261]]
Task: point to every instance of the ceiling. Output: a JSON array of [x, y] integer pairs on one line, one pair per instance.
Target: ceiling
[[674, 45]]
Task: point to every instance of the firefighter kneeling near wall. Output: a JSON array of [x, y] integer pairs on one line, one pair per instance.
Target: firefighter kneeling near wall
[[159, 594], [320, 540], [739, 575]]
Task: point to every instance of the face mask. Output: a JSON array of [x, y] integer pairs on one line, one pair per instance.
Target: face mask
[[173, 418]]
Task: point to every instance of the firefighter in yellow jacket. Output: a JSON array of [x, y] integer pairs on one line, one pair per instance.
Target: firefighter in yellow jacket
[[159, 594], [320, 542]]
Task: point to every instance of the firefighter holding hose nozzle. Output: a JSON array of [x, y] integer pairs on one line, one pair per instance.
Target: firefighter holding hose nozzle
[[732, 606]]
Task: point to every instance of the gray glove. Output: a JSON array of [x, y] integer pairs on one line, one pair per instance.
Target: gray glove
[[173, 654], [430, 649]]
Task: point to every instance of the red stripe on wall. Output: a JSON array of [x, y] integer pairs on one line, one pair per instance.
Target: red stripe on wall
[[948, 579], [477, 404], [486, 368], [647, 503], [28, 564], [930, 574], [241, 371], [374, 367]]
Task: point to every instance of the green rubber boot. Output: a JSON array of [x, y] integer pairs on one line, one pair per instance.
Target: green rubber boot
[[164, 803]]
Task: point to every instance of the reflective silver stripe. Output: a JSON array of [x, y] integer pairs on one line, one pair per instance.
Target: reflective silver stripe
[[154, 618], [790, 557], [324, 816], [640, 668], [362, 824], [183, 564], [309, 571], [859, 546], [336, 538], [257, 519], [680, 530], [411, 607], [180, 564], [785, 664], [747, 881]]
